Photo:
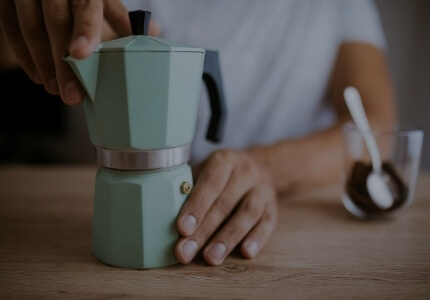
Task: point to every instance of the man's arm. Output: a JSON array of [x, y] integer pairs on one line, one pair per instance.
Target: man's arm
[[316, 159]]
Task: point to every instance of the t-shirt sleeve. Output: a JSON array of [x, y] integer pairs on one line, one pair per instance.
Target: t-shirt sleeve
[[360, 22]]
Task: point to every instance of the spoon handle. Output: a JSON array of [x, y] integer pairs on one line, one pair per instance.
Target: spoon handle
[[355, 106]]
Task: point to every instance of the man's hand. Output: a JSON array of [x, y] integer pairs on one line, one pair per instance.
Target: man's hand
[[232, 202], [41, 32]]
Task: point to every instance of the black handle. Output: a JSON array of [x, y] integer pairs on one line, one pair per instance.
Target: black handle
[[139, 20], [213, 81]]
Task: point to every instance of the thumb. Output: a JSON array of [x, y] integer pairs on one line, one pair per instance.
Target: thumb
[[116, 15], [154, 28]]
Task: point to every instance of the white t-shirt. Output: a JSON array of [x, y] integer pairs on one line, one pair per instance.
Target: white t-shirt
[[276, 60]]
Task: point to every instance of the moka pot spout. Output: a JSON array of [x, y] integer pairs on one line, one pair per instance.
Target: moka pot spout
[[87, 71]]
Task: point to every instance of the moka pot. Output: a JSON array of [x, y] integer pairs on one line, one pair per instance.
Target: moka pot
[[141, 107]]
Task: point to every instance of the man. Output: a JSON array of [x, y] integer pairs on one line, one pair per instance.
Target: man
[[285, 65]]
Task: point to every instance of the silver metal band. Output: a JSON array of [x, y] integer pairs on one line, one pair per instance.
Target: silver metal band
[[143, 159]]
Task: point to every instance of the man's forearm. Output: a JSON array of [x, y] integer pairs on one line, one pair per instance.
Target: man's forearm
[[305, 162], [317, 159]]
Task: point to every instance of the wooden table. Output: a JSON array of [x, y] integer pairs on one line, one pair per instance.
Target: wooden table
[[317, 251]]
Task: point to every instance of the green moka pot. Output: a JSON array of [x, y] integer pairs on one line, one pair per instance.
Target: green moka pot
[[141, 109]]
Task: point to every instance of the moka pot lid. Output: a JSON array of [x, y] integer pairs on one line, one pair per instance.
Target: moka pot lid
[[141, 42]]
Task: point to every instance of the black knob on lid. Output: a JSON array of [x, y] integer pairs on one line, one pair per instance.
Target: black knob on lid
[[139, 20]]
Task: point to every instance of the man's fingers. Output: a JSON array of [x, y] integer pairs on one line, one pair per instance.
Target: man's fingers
[[116, 15], [42, 32], [227, 180], [11, 29], [208, 188], [246, 216], [219, 213], [87, 27], [33, 30], [257, 238], [59, 25], [255, 219]]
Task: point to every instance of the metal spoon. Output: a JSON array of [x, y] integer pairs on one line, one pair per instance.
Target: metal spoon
[[377, 182]]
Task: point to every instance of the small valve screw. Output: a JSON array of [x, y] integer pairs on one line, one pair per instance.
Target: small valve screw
[[185, 188]]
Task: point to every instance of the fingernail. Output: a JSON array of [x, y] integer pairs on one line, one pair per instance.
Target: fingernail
[[53, 86], [216, 252], [36, 76], [72, 93], [252, 248], [189, 250], [189, 224], [79, 43]]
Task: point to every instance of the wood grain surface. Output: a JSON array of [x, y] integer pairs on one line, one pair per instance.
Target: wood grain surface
[[317, 251]]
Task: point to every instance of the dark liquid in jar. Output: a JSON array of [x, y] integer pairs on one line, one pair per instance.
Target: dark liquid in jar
[[356, 187]]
